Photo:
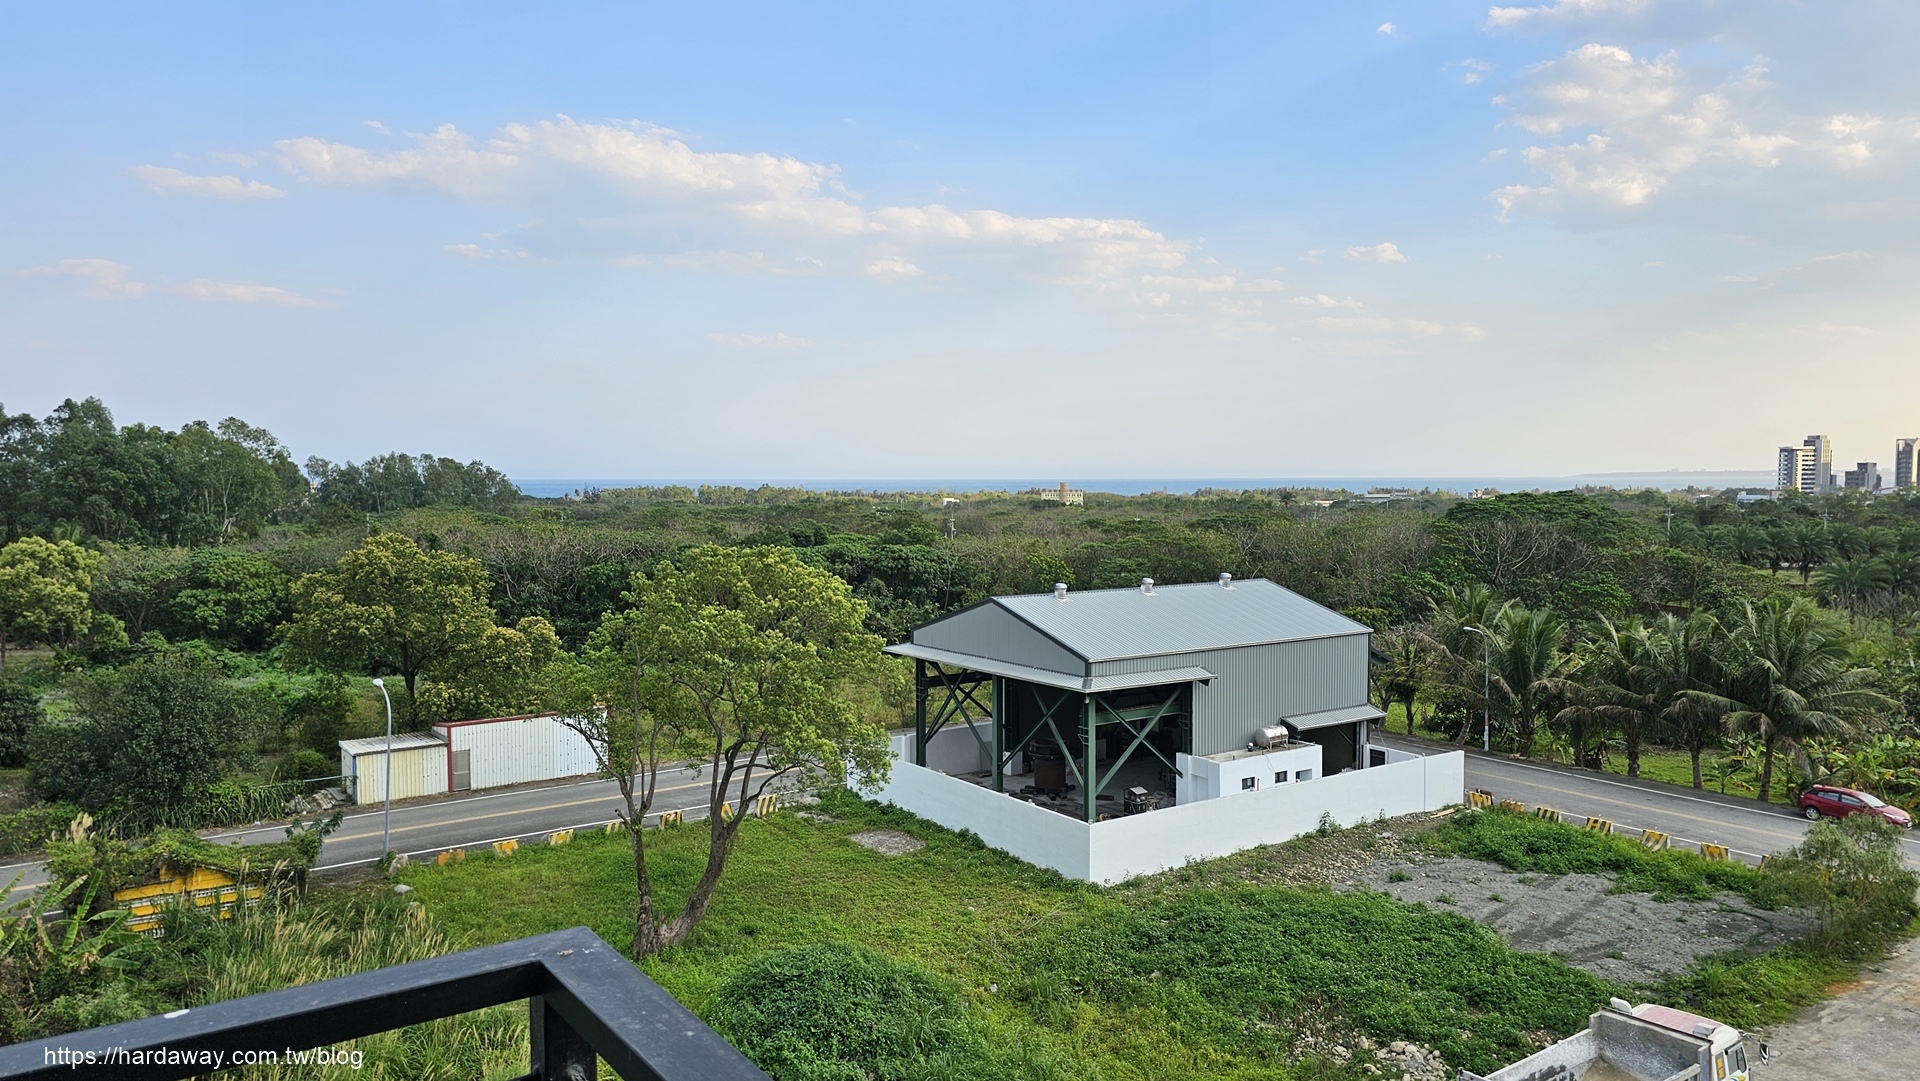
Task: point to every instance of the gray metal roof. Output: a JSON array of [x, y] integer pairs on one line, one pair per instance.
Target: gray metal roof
[[1048, 678], [1112, 624], [402, 741]]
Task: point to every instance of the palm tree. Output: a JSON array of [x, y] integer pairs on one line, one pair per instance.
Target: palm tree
[[1789, 676], [1749, 543], [1458, 653], [1848, 541], [1850, 583], [1528, 661], [1622, 682], [1403, 673], [1903, 571], [1807, 546], [1688, 653]]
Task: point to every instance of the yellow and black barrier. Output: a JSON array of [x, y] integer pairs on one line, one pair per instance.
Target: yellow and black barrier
[[611, 828], [669, 818], [506, 848], [1718, 853], [1513, 805], [560, 837], [201, 887], [451, 855], [1479, 797], [763, 806], [1655, 840], [1599, 825], [1548, 813]]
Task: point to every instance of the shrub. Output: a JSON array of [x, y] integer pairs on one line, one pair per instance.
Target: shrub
[[305, 765], [20, 712], [834, 1012], [1851, 874]]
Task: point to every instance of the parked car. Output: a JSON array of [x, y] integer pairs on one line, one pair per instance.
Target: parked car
[[1836, 802]]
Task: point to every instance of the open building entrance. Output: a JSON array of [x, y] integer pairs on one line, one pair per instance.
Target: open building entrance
[[1090, 753]]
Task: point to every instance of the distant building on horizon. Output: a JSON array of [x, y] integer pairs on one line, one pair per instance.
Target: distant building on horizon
[[1864, 476], [1807, 468], [1065, 496], [1903, 454]]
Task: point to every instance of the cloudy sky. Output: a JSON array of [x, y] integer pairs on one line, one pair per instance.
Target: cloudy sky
[[1099, 240]]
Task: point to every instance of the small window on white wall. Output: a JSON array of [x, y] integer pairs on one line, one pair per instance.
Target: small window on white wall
[[1248, 784], [1304, 775], [1280, 777]]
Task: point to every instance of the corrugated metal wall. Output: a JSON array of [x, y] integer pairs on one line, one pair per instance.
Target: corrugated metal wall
[[417, 771], [572, 757], [507, 752], [989, 631], [1254, 686]]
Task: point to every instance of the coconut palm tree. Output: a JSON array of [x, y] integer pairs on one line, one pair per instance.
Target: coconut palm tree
[[1855, 582], [1458, 654], [1617, 681], [1529, 660], [1789, 675], [1807, 547], [1687, 652], [1404, 671]]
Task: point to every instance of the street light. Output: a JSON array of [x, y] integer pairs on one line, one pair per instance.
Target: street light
[[1486, 687], [386, 812]]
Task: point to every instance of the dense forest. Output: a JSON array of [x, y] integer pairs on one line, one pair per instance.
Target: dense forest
[[1685, 635]]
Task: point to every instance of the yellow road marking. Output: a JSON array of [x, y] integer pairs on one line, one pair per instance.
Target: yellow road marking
[[504, 814]]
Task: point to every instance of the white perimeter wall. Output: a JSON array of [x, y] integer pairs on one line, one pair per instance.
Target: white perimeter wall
[[1122, 848]]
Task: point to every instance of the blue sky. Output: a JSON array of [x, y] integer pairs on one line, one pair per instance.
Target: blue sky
[[893, 241]]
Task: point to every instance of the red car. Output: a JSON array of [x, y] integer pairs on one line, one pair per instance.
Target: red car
[[1835, 802]]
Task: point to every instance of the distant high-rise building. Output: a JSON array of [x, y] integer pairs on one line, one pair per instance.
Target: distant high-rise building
[[1903, 454], [1864, 476], [1816, 467], [1793, 462]]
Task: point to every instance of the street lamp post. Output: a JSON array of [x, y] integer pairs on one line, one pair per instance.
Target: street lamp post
[[1486, 687], [386, 812]]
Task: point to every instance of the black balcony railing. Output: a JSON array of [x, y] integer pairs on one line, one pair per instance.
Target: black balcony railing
[[584, 999]]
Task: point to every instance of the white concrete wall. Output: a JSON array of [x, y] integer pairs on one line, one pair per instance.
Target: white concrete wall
[[1207, 778], [1394, 754], [954, 750], [1122, 848], [1015, 826], [1159, 840]]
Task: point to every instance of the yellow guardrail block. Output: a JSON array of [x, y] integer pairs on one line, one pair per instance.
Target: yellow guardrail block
[[201, 887], [1599, 825], [1655, 840], [670, 818], [1479, 798], [506, 848], [1547, 813], [452, 855], [1513, 805], [560, 837], [764, 805], [726, 812], [1714, 852]]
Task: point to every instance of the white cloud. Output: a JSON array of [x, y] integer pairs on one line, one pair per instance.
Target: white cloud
[[480, 253], [1561, 10], [1322, 300], [168, 181], [1387, 28], [377, 126], [246, 293], [104, 275], [1475, 69], [892, 268], [110, 278], [644, 170], [1645, 124], [763, 341], [1387, 252]]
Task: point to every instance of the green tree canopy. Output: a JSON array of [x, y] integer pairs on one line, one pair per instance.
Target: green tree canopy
[[390, 606], [44, 591]]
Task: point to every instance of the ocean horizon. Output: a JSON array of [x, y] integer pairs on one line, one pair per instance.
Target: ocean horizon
[[1670, 480]]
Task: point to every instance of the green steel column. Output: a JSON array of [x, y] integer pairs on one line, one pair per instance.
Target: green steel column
[[1090, 778], [999, 719], [919, 712]]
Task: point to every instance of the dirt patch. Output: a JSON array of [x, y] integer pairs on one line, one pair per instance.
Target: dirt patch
[[1870, 1033], [888, 842], [1628, 938]]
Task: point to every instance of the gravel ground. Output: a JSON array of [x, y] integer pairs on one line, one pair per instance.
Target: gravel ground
[[1628, 938], [1870, 1031]]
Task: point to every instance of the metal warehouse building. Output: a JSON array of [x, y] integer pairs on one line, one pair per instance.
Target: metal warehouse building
[[462, 755], [1201, 684]]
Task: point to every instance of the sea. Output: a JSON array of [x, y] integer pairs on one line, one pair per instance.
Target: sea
[[1669, 480]]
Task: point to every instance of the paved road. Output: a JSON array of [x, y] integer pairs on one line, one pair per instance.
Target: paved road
[[1748, 828], [427, 828]]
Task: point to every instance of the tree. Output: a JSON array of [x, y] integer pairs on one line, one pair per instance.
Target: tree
[[20, 714], [1403, 673], [1528, 658], [145, 741], [389, 606], [237, 599], [1790, 675], [1850, 582], [739, 658], [1687, 653], [44, 590], [1851, 874], [496, 677]]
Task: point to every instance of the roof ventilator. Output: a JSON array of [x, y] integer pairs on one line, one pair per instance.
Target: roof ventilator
[[1226, 580], [1059, 591], [1146, 585]]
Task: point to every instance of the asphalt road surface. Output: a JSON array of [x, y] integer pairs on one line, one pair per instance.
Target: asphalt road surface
[[430, 827], [1747, 827]]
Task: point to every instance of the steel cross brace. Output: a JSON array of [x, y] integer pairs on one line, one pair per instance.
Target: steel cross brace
[[1139, 736]]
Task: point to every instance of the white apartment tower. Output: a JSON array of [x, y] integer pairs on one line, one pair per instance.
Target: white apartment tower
[[1903, 454], [1792, 462], [1813, 466]]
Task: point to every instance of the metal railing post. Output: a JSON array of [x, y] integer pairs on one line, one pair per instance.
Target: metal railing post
[[556, 1051]]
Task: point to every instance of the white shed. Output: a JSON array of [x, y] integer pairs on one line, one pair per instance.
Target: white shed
[[498, 751], [419, 766]]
